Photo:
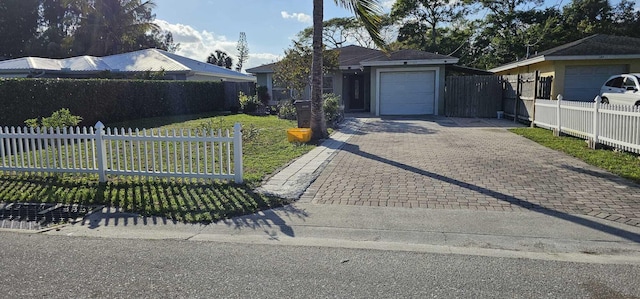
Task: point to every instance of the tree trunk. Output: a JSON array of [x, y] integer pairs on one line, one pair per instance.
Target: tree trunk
[[318, 124]]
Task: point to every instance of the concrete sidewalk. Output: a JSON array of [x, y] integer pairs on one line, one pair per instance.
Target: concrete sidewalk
[[540, 234], [548, 236]]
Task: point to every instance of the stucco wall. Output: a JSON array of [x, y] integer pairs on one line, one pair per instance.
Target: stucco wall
[[557, 70], [262, 79]]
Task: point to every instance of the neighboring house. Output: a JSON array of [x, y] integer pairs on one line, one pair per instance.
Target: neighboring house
[[175, 67], [405, 82], [580, 68]]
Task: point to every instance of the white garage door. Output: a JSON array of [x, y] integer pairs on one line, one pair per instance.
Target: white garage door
[[582, 83], [407, 93]]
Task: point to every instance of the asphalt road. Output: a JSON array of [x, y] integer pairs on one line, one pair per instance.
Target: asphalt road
[[35, 265]]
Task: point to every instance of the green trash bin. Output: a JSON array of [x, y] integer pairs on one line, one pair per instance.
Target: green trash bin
[[303, 113]]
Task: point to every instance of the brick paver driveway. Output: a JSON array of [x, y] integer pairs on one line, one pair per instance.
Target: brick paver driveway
[[446, 163]]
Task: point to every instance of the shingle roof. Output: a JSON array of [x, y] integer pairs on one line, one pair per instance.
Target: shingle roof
[[606, 46], [597, 44], [265, 68], [409, 55], [354, 55]]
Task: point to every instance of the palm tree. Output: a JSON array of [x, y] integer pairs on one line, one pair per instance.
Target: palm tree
[[113, 26], [220, 58], [368, 12]]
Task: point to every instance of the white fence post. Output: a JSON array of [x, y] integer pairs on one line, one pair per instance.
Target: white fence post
[[237, 152], [558, 113], [596, 108], [101, 152]]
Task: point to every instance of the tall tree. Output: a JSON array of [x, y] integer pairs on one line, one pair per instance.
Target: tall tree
[[503, 37], [626, 19], [18, 26], [368, 12], [293, 71], [338, 32], [220, 58], [243, 51], [425, 16], [59, 20], [115, 26]]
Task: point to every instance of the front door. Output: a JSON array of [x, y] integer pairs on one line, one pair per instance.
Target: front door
[[356, 92]]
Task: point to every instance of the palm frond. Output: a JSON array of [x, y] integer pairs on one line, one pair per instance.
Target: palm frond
[[369, 12]]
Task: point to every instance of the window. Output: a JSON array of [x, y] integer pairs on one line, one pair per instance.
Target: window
[[629, 84], [615, 82], [279, 92], [327, 84]]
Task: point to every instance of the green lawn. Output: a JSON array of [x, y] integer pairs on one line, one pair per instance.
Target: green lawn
[[265, 150], [620, 163]]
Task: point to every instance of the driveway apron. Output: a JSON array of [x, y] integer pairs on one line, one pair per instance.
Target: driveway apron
[[446, 163]]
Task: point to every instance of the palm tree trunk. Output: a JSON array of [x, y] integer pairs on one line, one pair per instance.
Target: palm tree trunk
[[318, 124]]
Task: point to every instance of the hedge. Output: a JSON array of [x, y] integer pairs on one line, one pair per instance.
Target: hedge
[[105, 100]]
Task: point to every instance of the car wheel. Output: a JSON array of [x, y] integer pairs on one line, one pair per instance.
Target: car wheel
[[604, 101]]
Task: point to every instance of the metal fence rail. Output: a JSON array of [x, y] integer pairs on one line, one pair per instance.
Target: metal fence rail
[[106, 151]]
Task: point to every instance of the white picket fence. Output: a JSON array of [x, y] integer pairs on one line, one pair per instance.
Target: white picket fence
[[183, 153], [613, 125]]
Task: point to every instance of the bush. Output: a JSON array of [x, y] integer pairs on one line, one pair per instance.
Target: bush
[[59, 119], [106, 100], [331, 107], [263, 95], [248, 104], [286, 110]]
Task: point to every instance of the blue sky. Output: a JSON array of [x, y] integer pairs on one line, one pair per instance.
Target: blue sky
[[203, 26]]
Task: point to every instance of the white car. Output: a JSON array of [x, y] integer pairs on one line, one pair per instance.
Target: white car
[[621, 90]]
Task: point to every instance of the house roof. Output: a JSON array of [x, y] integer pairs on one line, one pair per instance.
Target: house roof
[[265, 68], [353, 55], [138, 61], [356, 56], [597, 46]]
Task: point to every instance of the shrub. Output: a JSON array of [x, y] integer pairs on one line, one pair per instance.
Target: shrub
[[286, 110], [263, 95], [59, 119], [331, 107], [249, 104], [106, 100]]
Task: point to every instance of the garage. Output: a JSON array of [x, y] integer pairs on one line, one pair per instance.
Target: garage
[[407, 92], [583, 82]]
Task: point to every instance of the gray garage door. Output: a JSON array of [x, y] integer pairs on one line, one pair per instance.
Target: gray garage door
[[407, 93], [583, 82]]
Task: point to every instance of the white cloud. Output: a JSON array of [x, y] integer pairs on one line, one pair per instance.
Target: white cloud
[[199, 45], [301, 17], [387, 4]]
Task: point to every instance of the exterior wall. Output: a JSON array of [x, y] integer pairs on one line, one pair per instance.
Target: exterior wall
[[266, 79], [198, 78], [557, 70], [262, 79], [338, 84], [373, 91], [440, 81]]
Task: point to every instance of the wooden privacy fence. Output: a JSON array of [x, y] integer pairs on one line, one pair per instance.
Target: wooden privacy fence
[[520, 93], [484, 96], [473, 96], [104, 151], [613, 125]]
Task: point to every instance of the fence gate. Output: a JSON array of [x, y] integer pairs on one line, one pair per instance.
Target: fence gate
[[473, 96], [520, 93], [483, 96]]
